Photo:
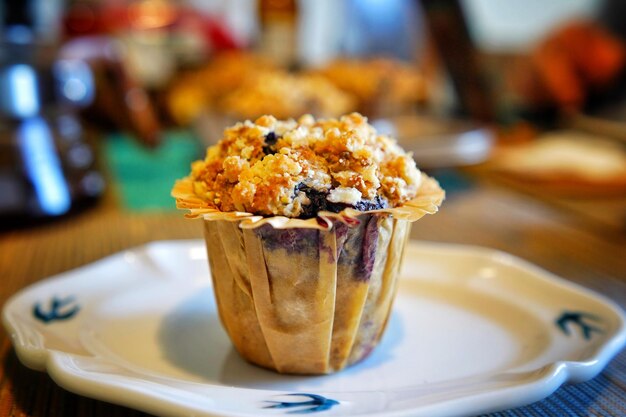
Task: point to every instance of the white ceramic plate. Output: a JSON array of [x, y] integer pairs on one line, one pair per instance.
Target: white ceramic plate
[[473, 330]]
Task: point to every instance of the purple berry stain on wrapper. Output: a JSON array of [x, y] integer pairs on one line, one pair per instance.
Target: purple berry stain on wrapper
[[291, 240], [365, 265], [354, 245]]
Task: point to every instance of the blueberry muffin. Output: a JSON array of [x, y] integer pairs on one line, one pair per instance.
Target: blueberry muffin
[[202, 90], [305, 224], [382, 87], [285, 95]]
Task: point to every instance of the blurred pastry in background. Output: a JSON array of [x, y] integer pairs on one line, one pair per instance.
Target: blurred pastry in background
[[286, 96], [280, 93], [566, 163], [382, 87], [570, 65], [202, 89], [246, 85]]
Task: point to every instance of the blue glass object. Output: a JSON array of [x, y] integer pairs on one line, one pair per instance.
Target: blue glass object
[[43, 166], [20, 96]]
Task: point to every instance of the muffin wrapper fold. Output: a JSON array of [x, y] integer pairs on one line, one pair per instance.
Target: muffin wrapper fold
[[308, 296], [429, 198]]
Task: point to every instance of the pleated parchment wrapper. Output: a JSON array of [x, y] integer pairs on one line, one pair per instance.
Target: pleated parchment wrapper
[[306, 296]]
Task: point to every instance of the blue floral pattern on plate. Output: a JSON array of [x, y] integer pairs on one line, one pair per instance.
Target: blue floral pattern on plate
[[581, 319], [315, 404], [57, 309]]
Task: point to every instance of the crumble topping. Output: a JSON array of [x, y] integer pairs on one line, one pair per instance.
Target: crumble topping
[[299, 168]]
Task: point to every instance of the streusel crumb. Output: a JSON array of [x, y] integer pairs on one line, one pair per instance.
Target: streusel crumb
[[299, 168]]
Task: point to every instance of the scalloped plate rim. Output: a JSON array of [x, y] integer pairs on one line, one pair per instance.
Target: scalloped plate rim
[[551, 376]]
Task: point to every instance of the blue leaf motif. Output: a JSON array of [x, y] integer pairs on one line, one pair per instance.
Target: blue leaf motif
[[315, 404], [58, 309], [579, 318]]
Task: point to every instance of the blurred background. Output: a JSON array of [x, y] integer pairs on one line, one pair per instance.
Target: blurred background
[[105, 103], [518, 108]]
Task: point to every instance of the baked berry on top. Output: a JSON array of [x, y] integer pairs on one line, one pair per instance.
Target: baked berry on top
[[299, 168]]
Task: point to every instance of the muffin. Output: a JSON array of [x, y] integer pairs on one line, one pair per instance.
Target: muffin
[[286, 95], [305, 224], [382, 87], [279, 93], [202, 89]]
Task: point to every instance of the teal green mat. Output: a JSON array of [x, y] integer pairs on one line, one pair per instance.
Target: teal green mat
[[144, 177]]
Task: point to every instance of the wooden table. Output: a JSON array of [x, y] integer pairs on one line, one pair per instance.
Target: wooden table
[[480, 215]]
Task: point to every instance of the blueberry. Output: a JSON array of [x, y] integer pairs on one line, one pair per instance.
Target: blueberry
[[319, 202], [270, 140], [376, 204]]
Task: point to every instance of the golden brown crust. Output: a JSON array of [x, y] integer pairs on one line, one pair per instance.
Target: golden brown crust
[[283, 168]]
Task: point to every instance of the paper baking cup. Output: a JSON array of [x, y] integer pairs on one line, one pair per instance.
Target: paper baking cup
[[307, 296]]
